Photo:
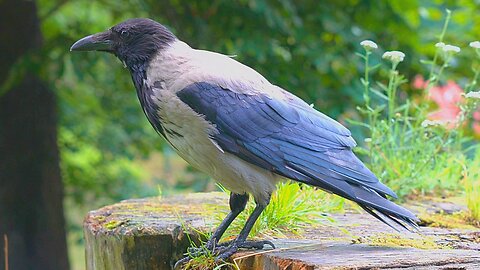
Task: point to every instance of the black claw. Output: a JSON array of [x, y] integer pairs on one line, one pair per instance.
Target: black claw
[[192, 250], [256, 244], [224, 253], [197, 251], [266, 242], [227, 252], [181, 262], [224, 244]]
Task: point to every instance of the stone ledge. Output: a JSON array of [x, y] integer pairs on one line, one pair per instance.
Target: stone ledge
[[148, 234]]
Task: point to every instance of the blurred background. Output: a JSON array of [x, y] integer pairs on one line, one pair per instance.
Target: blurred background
[[73, 136]]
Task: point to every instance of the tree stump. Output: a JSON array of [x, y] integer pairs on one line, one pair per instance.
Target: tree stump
[[153, 233], [145, 233]]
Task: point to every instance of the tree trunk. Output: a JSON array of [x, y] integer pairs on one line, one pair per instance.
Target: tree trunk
[[31, 190]]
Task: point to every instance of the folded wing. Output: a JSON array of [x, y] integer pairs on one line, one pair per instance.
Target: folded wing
[[288, 137]]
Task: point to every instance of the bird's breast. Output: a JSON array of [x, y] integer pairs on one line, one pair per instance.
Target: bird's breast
[[186, 131]]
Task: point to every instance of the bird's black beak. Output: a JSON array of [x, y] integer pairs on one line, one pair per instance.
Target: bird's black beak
[[96, 42]]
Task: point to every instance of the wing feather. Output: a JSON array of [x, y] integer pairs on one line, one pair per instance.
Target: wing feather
[[290, 138]]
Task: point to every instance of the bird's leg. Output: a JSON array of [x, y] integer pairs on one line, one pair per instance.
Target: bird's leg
[[237, 205], [241, 240]]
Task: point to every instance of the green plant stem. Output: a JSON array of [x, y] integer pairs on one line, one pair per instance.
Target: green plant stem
[[392, 90], [366, 95], [475, 78], [473, 83], [432, 77], [440, 39], [442, 68]]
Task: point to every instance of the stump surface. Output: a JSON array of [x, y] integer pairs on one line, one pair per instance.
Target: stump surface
[[151, 234]]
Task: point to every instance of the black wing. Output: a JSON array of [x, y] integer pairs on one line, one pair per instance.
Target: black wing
[[288, 137]]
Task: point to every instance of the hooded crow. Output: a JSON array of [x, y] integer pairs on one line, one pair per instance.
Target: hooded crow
[[227, 120]]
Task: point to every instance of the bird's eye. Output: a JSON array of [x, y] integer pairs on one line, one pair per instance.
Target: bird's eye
[[124, 33]]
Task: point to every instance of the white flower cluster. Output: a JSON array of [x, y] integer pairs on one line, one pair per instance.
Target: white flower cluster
[[369, 45], [473, 94], [394, 56], [447, 47], [475, 44], [427, 123]]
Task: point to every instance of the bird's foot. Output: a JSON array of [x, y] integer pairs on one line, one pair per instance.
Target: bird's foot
[[222, 251], [225, 251], [197, 251]]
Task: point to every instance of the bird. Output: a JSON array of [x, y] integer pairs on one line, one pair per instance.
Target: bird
[[227, 120]]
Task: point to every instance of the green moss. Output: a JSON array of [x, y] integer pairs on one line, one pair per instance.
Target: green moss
[[459, 220], [396, 240], [99, 218], [112, 224]]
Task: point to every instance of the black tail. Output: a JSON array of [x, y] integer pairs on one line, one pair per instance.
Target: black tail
[[372, 201], [345, 175], [385, 210]]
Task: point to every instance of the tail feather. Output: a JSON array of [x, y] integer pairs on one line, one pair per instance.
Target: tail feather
[[385, 210], [411, 227], [371, 196]]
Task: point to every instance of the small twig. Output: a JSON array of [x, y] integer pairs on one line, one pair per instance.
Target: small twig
[[5, 250]]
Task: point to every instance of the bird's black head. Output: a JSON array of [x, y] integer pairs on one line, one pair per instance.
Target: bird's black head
[[133, 41]]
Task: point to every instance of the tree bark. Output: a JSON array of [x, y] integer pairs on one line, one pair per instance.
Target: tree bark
[[31, 190]]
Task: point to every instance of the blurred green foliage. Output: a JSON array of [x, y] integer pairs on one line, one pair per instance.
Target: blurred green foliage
[[304, 46]]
